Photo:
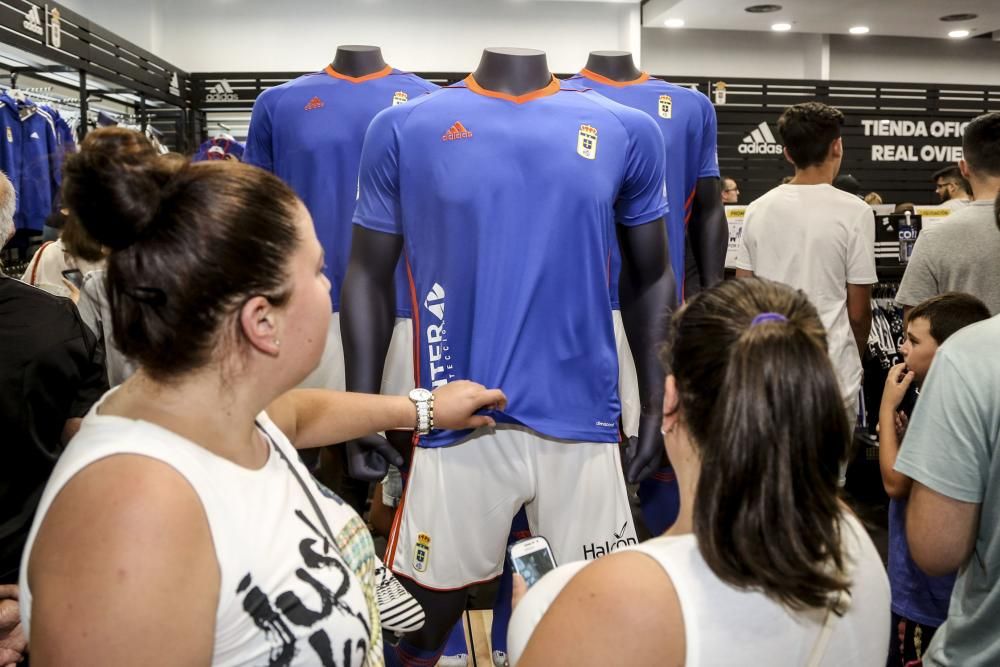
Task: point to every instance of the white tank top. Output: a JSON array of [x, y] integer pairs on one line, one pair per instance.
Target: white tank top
[[724, 625], [287, 595]]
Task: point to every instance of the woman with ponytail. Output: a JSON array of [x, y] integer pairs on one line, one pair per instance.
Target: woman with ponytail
[[179, 526], [765, 565]]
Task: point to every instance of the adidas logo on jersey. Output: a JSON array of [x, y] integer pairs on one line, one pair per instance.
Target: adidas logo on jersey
[[315, 103], [760, 142], [34, 135], [222, 92], [456, 131]]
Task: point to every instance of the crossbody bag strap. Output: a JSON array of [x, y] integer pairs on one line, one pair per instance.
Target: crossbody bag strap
[[834, 611], [305, 487]]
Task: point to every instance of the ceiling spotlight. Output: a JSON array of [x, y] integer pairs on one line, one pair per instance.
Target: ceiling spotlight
[[959, 17], [674, 23], [781, 27], [859, 30], [763, 9], [959, 34]]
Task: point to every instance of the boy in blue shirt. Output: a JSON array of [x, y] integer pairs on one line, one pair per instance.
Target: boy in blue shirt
[[919, 601]]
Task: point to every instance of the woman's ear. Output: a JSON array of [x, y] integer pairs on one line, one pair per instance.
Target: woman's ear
[[258, 321], [671, 405]]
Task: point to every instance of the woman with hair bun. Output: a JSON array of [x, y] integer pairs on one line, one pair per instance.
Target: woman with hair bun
[[179, 527], [764, 566]]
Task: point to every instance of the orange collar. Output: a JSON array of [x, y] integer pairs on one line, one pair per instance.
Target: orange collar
[[594, 76], [358, 79], [551, 89]]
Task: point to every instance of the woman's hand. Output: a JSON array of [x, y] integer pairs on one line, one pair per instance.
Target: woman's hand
[[896, 384], [456, 403]]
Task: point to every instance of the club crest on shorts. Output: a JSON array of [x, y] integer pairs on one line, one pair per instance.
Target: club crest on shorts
[[586, 145], [399, 97], [666, 106], [422, 552]]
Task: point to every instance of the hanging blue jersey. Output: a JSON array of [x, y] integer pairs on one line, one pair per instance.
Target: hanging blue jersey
[[689, 126], [309, 133], [507, 207], [30, 156]]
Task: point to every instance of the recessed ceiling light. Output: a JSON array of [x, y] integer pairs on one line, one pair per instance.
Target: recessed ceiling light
[[959, 17], [763, 9], [781, 27], [958, 34], [859, 30], [674, 23]]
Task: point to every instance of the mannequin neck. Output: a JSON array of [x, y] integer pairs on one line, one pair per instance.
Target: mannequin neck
[[357, 60], [513, 71], [614, 65]]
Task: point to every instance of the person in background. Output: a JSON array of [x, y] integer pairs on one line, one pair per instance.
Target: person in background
[[50, 375], [730, 191], [952, 188], [812, 236], [919, 602], [763, 556], [848, 184], [873, 199], [74, 249], [962, 255], [952, 454]]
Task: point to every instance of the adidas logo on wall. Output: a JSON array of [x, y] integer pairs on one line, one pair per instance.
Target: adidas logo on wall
[[222, 92], [760, 142]]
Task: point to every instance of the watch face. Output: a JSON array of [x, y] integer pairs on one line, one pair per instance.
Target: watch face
[[420, 394]]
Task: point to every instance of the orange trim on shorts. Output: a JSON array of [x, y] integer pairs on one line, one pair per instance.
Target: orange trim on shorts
[[443, 590]]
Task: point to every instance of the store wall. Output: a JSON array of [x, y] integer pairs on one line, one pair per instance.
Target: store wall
[[430, 35], [807, 56]]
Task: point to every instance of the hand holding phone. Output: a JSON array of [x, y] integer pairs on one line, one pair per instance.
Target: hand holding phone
[[74, 276], [531, 558]]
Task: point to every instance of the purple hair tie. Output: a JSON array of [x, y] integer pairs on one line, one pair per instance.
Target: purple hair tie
[[768, 317]]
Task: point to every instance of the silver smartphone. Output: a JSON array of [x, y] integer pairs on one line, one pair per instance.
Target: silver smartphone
[[531, 558]]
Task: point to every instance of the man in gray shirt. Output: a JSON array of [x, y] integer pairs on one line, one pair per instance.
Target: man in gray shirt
[[952, 453], [962, 253]]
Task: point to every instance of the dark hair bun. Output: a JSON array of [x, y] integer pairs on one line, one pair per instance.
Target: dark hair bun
[[114, 185]]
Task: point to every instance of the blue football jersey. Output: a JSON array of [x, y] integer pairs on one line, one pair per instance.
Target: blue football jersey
[[30, 157], [507, 207], [689, 126], [309, 132]]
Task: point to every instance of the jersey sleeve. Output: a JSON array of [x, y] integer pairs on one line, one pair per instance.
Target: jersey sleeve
[[378, 205], [708, 157], [946, 446], [259, 150], [861, 250], [643, 197]]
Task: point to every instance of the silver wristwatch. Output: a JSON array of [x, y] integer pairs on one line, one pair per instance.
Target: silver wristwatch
[[424, 400]]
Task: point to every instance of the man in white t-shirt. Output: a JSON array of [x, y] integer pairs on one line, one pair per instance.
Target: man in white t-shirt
[[810, 235]]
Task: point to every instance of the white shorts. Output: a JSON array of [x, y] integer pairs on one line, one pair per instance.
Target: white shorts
[[397, 376], [628, 381], [452, 526]]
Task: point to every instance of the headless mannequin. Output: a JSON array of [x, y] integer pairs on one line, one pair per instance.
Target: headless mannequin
[[357, 60], [708, 230], [368, 303]]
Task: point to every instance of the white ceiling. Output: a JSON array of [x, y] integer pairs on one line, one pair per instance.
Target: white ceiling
[[907, 18]]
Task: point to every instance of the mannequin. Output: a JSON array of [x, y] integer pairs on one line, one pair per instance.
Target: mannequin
[[708, 230], [357, 60], [367, 305], [697, 218], [614, 65]]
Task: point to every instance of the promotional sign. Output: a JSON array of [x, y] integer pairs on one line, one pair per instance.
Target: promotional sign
[[734, 216]]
